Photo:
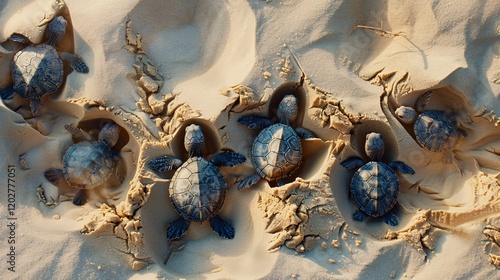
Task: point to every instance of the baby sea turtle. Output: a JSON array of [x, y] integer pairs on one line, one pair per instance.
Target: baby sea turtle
[[87, 164], [38, 69], [434, 130], [197, 189], [277, 151], [375, 187]]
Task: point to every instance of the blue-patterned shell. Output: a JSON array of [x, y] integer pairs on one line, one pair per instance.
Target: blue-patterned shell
[[436, 131], [375, 188], [37, 70], [88, 164], [197, 190], [276, 152]]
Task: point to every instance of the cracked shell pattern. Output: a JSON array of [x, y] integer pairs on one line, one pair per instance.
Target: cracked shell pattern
[[276, 152], [375, 188], [197, 190], [37, 70], [436, 131], [88, 164]]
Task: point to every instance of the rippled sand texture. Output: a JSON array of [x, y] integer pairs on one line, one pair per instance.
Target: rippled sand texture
[[158, 66]]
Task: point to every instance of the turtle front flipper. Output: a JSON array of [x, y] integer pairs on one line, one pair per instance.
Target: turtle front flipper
[[16, 37], [222, 228], [78, 133], [254, 121], [422, 101], [227, 159], [7, 93], [76, 62], [177, 228], [249, 181], [304, 133], [80, 197], [401, 167], [352, 163], [36, 107], [390, 218], [164, 163]]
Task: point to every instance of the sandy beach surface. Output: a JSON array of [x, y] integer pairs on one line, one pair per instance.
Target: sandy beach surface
[[156, 67]]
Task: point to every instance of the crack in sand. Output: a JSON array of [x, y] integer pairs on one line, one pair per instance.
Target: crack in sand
[[107, 223], [245, 98], [148, 81], [294, 210]]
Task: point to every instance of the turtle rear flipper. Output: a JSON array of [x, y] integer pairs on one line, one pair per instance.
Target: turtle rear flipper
[[304, 133], [281, 183], [177, 228], [249, 181], [7, 93], [401, 167], [254, 121], [359, 216], [352, 163], [80, 197], [227, 159], [164, 163], [222, 228], [55, 176], [391, 219], [76, 62], [36, 107]]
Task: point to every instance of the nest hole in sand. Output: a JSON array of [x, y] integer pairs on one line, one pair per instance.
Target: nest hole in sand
[[126, 150], [445, 180], [340, 178], [314, 151], [446, 98], [158, 212], [66, 44]]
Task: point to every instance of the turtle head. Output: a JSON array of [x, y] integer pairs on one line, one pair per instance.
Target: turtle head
[[374, 146], [194, 141], [287, 109], [406, 115], [110, 132], [57, 28]]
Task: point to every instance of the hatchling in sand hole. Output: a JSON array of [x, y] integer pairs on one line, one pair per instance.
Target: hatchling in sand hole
[[197, 189], [375, 187], [38, 69], [87, 164], [276, 151], [434, 130]]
